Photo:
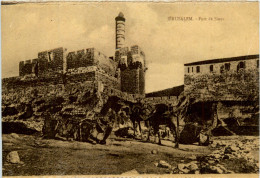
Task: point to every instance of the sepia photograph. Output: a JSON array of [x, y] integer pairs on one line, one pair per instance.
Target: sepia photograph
[[130, 88]]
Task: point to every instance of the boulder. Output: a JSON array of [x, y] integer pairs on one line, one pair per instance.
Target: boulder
[[131, 172], [216, 169], [204, 139], [164, 164], [13, 157], [193, 167], [193, 157], [222, 167], [14, 135], [211, 161], [154, 151], [197, 172], [183, 168]]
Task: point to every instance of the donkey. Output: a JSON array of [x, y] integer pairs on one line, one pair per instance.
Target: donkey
[[169, 116], [138, 112]]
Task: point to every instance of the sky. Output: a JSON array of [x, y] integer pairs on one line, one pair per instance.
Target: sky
[[168, 44]]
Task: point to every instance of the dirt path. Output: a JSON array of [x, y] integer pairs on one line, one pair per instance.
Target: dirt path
[[54, 157]]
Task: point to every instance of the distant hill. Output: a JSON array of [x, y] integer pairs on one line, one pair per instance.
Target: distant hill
[[174, 91]]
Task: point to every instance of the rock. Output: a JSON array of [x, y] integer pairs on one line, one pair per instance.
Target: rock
[[14, 135], [217, 156], [183, 168], [193, 157], [70, 139], [213, 145], [211, 161], [228, 150], [193, 167], [154, 151], [164, 164], [216, 152], [219, 171], [216, 169], [203, 139], [234, 148], [197, 172], [226, 156], [13, 157], [230, 172], [222, 167], [186, 170], [131, 172]]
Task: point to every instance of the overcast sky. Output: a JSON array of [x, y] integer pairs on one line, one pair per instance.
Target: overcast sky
[[168, 44]]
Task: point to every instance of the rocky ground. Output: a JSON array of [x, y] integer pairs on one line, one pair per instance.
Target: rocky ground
[[31, 155]]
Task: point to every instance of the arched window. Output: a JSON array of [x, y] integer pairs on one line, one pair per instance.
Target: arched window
[[227, 66], [188, 70], [257, 63], [241, 65]]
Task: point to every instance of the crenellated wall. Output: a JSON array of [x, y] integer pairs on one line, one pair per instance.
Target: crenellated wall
[[125, 72], [50, 61], [91, 57]]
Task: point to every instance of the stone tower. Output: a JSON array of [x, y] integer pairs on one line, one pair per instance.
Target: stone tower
[[120, 31]]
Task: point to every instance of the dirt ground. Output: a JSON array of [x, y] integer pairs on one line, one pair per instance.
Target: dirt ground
[[56, 157]]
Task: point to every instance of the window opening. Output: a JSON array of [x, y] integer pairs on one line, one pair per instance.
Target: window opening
[[227, 66], [198, 69], [241, 65], [211, 68]]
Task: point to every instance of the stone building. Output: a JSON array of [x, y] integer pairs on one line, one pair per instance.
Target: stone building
[[226, 89], [125, 71], [233, 78]]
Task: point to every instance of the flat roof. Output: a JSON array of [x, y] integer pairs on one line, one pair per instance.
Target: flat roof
[[220, 60]]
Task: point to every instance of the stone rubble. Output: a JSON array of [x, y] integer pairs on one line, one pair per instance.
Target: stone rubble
[[212, 163]]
